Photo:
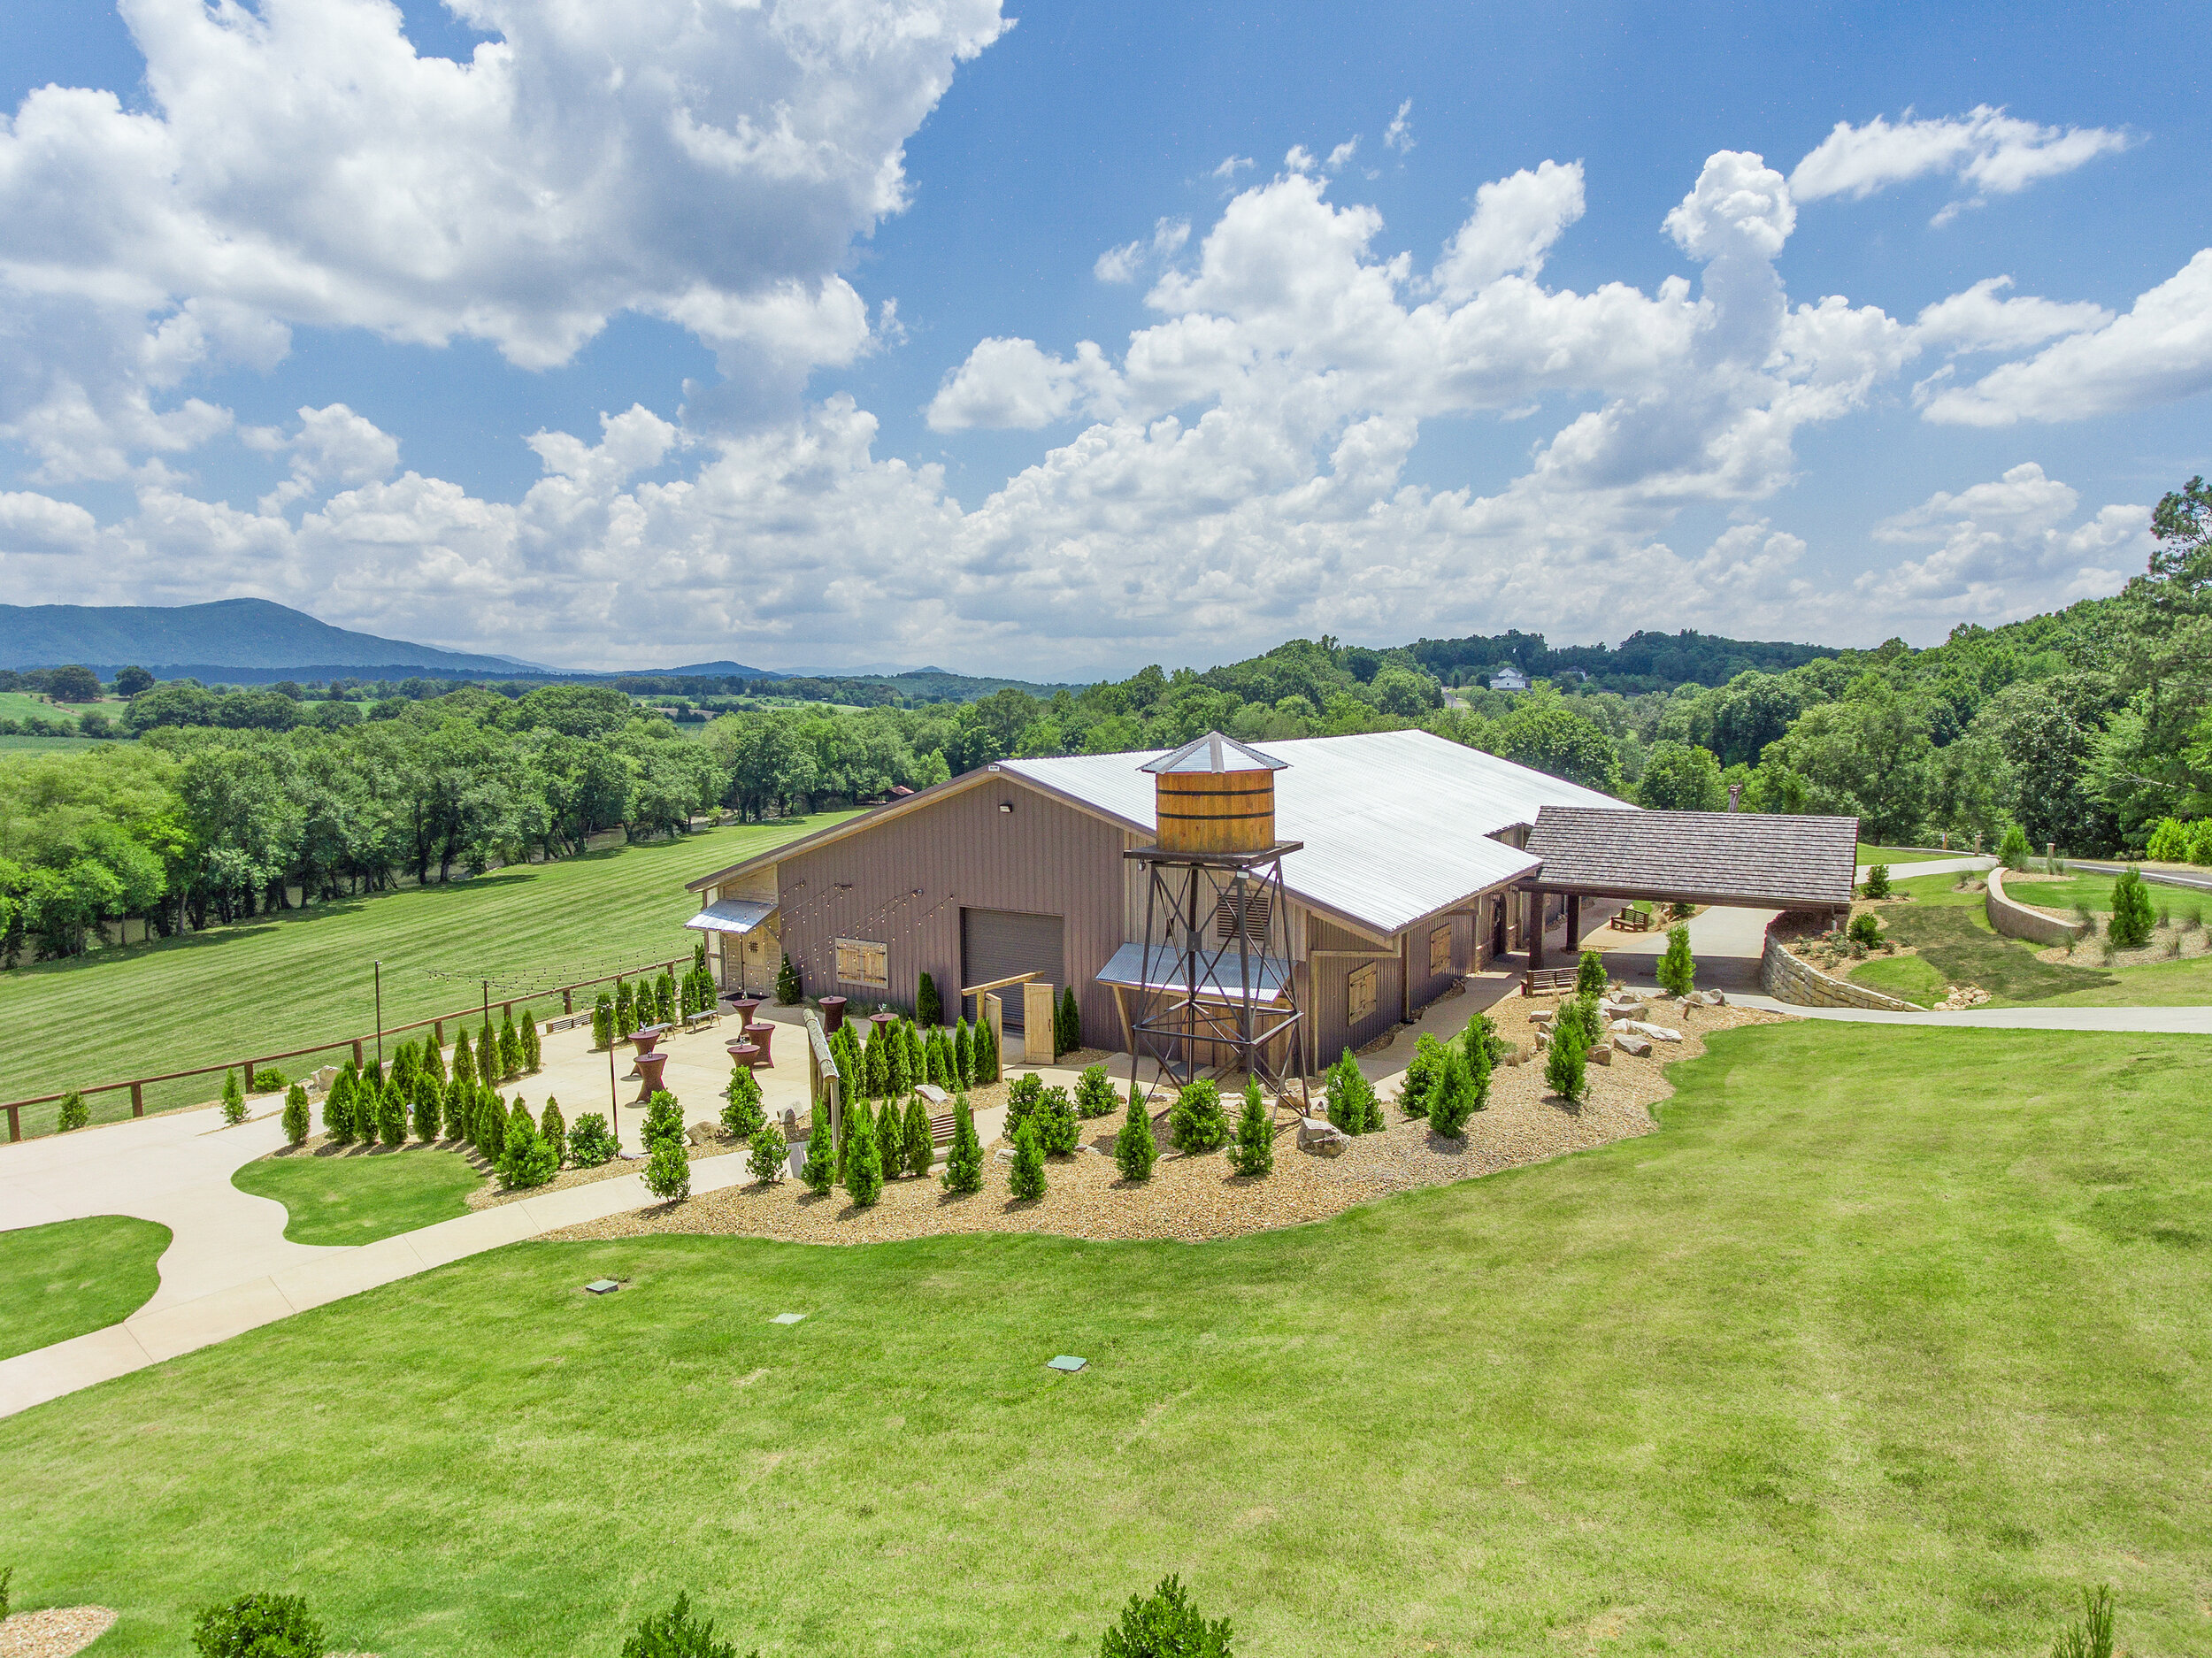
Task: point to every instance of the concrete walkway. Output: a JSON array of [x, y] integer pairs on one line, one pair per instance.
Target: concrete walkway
[[1934, 866]]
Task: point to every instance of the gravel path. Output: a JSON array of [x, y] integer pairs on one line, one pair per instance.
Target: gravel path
[[54, 1631], [1194, 1198]]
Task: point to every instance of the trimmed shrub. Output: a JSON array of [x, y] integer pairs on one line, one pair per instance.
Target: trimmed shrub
[[769, 1159], [668, 1171], [787, 982], [2168, 842], [602, 1022], [1165, 1625], [338, 1108], [296, 1120], [663, 1119], [1254, 1152], [1022, 1096], [1566, 1058], [676, 1634], [898, 1064], [269, 1080], [987, 1069], [433, 1058], [1590, 974], [591, 1142], [664, 998], [2130, 928], [532, 1048], [1134, 1148], [457, 1095], [890, 1131], [938, 1059], [875, 1068], [1864, 931], [1482, 1031], [555, 1129], [929, 1006], [1026, 1178], [918, 1146], [1195, 1122], [1353, 1106], [488, 1124], [1452, 1101], [1423, 1073], [1877, 882], [464, 1058], [234, 1098], [864, 1164], [2013, 850], [429, 1104], [742, 1117], [1067, 1024], [1057, 1130], [819, 1171], [1677, 972], [917, 1056], [1095, 1094], [529, 1159], [487, 1060], [963, 1056], [963, 1160], [259, 1626], [624, 1008], [391, 1115], [75, 1113]]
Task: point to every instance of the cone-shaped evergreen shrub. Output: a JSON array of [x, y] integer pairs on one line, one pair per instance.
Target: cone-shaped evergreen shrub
[[433, 1058], [528, 1160], [787, 982], [898, 1068], [391, 1115], [1565, 1059], [1877, 882], [1195, 1122], [663, 1119], [1134, 1150], [935, 1067], [1058, 1132], [918, 1146], [820, 1170], [509, 1048], [1482, 1031], [1067, 1024], [429, 1106], [1423, 1071], [75, 1113], [964, 1159], [625, 1021], [520, 1122], [338, 1108], [1022, 1095], [591, 1142], [769, 1159], [1589, 973], [532, 1049], [555, 1129], [741, 1114], [929, 1006], [234, 1098], [2013, 851], [464, 1059], [864, 1164], [456, 1108], [2132, 917], [962, 1056], [1677, 971], [664, 999], [296, 1120], [1254, 1152], [404, 1070], [1453, 1098], [1026, 1178], [602, 1022], [891, 1140], [1095, 1093], [668, 1170], [488, 1124], [916, 1058], [1353, 1106], [875, 1065]]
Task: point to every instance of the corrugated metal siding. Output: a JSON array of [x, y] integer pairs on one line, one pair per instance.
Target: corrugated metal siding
[[905, 883]]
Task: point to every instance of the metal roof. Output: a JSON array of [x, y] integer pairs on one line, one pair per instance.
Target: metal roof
[[1214, 752], [1396, 824], [1126, 967], [731, 915], [1767, 861]]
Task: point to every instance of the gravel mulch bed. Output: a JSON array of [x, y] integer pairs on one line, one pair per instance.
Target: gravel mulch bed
[[493, 1195], [1201, 1197], [53, 1632]]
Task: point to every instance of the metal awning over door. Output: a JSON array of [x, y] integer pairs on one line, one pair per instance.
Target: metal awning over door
[[996, 944]]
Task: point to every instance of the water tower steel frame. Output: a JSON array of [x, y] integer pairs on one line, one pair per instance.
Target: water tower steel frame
[[1215, 972]]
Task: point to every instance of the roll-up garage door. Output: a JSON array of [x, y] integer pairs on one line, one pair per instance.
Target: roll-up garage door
[[1001, 943]]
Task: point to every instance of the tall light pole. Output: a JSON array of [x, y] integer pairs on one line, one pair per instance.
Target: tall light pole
[[379, 1018]]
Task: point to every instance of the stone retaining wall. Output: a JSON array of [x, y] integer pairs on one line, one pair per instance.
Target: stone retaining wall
[[1786, 979], [2015, 920]]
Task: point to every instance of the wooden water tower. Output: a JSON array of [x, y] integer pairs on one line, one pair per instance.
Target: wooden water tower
[[1216, 990]]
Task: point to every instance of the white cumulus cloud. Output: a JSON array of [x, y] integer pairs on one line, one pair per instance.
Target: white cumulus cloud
[[2005, 549], [1993, 152]]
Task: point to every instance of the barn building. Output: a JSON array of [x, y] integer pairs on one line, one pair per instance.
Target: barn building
[[1410, 849]]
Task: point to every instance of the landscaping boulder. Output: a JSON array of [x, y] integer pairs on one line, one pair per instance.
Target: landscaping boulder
[[1601, 1053], [1656, 1032], [1323, 1137], [1638, 1047], [1624, 1009], [1542, 1015], [703, 1134]]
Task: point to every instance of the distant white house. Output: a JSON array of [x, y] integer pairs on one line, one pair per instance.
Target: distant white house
[[1509, 679]]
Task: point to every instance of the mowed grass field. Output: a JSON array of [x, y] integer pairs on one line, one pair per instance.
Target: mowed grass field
[[1884, 1344], [349, 1195], [278, 982], [1950, 929], [69, 1277]]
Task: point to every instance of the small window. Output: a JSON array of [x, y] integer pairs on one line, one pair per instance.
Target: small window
[[861, 962], [1360, 992], [1441, 950]]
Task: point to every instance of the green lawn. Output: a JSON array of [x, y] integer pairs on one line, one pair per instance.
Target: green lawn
[[283, 981], [1884, 1344], [1894, 855], [46, 745], [349, 1196], [72, 1277]]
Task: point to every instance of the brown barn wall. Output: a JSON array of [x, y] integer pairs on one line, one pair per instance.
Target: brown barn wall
[[1331, 993], [1044, 858]]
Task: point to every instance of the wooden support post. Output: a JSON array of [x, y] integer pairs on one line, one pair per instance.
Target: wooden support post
[[568, 1004], [508, 1009], [357, 1054], [138, 1098], [1574, 923], [437, 1032], [15, 1122], [1535, 929]]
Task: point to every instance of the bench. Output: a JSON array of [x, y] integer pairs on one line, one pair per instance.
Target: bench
[[566, 1022], [1631, 921], [704, 1017], [1544, 980]]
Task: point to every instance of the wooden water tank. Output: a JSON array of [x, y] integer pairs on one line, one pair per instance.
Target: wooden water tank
[[1215, 794]]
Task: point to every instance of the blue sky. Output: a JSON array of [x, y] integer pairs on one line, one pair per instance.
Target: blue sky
[[250, 350]]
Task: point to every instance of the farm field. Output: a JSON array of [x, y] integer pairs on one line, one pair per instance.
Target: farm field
[[73, 1276], [1884, 1344], [282, 981], [355, 1196], [46, 745]]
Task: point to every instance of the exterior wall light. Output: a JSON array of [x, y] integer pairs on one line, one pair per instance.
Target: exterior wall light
[[1006, 805]]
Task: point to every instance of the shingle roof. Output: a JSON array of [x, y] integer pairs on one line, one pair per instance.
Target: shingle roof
[[1751, 858]]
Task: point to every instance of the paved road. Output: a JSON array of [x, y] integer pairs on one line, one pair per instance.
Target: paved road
[[2166, 877], [1934, 866]]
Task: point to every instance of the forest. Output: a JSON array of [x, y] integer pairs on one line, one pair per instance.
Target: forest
[[2088, 727]]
